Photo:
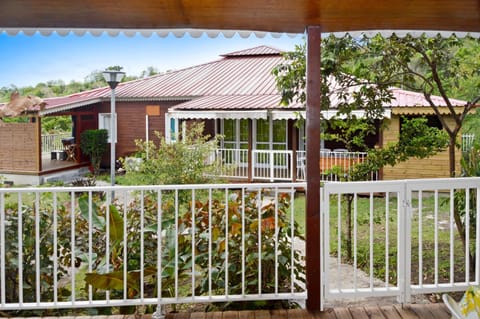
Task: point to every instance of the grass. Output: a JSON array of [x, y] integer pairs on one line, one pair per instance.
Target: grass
[[299, 209], [424, 255], [423, 269]]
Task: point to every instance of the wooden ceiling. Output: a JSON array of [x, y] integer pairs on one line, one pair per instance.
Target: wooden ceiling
[[291, 16]]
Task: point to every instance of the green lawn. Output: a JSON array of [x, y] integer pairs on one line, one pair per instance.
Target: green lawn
[[378, 228]]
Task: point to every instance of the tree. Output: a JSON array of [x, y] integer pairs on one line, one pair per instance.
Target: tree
[[347, 91], [94, 144], [149, 71], [447, 67]]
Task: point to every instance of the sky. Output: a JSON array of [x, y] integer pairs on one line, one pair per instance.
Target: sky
[[29, 60]]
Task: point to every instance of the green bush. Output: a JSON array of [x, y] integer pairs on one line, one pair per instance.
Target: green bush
[[234, 245], [93, 143], [191, 160]]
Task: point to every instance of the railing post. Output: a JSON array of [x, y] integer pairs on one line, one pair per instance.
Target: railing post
[[250, 165], [404, 243], [272, 163], [313, 250]]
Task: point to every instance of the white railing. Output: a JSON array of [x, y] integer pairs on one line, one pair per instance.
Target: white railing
[[77, 248], [277, 165], [233, 162], [272, 165], [334, 165], [404, 240], [53, 142], [467, 141]]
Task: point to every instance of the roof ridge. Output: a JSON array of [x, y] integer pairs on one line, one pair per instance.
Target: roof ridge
[[262, 49]]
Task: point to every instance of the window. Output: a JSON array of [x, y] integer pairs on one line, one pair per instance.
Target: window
[[104, 123], [274, 137], [280, 135], [235, 133], [263, 135], [173, 130]]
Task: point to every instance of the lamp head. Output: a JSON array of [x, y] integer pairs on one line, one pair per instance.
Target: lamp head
[[113, 77]]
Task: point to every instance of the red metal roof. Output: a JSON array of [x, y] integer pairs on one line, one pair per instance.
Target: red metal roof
[[261, 50], [232, 103], [403, 98], [246, 73], [240, 80]]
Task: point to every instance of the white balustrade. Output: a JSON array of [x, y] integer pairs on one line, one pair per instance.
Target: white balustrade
[[155, 244]]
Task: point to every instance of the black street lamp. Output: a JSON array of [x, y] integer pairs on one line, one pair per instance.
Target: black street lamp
[[113, 78]]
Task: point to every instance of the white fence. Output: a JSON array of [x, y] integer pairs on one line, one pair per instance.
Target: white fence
[[77, 248], [277, 165], [234, 162], [467, 141], [53, 142], [272, 165], [403, 237]]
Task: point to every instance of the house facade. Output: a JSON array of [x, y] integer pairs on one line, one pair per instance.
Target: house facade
[[236, 97]]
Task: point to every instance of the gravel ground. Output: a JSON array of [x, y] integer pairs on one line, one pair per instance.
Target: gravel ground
[[345, 275]]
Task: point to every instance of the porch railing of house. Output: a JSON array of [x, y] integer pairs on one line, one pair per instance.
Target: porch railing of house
[[467, 141], [77, 247], [408, 228], [277, 165], [234, 162], [53, 142]]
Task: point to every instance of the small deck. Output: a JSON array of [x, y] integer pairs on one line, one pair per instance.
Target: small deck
[[416, 311]]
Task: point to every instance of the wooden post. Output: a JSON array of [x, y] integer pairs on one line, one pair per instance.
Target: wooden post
[[38, 143], [313, 275], [294, 141]]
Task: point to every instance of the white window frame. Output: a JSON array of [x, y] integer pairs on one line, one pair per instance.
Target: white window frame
[[104, 123]]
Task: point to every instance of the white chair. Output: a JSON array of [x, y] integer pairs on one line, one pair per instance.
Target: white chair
[[453, 306]]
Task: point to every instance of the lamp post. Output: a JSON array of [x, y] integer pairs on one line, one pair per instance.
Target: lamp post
[[113, 78]]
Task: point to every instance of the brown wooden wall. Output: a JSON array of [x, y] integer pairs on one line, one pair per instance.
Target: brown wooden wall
[[19, 147], [432, 167], [131, 124]]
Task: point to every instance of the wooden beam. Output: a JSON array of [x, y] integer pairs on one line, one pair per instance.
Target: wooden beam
[[294, 143], [313, 169], [38, 139]]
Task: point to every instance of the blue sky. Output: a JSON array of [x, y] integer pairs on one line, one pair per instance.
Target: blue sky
[[29, 60]]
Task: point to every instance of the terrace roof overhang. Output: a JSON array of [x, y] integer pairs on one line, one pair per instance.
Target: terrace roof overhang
[[281, 16]]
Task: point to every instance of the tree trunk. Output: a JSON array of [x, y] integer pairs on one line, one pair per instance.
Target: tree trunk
[[456, 214], [451, 155]]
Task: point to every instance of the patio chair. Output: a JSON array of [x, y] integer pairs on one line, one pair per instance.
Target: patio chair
[[301, 167], [70, 152], [453, 306], [468, 304]]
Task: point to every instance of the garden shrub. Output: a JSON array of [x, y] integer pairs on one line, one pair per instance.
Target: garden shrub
[[93, 143], [210, 270], [188, 161]]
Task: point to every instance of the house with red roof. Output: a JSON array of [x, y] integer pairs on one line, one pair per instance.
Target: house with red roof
[[235, 96]]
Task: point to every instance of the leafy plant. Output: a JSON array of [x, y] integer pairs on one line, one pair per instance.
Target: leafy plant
[[470, 168], [94, 144], [189, 161], [24, 218], [235, 237]]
